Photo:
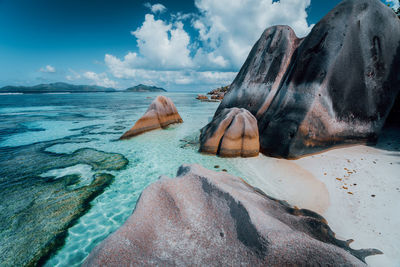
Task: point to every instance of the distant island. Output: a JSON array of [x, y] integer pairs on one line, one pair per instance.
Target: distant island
[[61, 87], [145, 88], [55, 88]]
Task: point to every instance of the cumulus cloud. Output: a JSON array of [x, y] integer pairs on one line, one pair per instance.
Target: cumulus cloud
[[230, 28], [171, 77], [48, 69], [100, 79], [156, 8], [225, 32], [162, 45]]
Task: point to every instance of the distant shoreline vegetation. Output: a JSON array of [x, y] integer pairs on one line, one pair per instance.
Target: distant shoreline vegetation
[[61, 87]]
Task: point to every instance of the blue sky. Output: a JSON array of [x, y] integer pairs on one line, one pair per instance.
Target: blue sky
[[179, 45]]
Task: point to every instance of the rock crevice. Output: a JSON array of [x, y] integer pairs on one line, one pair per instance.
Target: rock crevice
[[231, 133]]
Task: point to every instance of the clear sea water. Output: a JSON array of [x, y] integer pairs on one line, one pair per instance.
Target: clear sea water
[[102, 118]]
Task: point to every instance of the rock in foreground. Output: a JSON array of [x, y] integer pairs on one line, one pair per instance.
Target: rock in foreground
[[233, 133], [161, 113], [207, 218], [333, 87]]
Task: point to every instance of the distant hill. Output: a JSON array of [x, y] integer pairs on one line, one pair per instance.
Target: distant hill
[[145, 88], [55, 88]]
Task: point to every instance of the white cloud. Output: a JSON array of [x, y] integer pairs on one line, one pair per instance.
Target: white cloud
[[48, 69], [161, 45], [156, 8], [230, 28], [172, 78], [100, 79], [226, 31], [393, 3]]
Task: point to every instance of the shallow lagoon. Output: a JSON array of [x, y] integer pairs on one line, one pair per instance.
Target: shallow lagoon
[[100, 118]]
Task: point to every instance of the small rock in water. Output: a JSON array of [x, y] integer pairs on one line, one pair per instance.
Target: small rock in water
[[161, 113]]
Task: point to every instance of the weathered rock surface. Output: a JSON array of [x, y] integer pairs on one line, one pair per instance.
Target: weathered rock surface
[[161, 113], [335, 86], [232, 133], [207, 218]]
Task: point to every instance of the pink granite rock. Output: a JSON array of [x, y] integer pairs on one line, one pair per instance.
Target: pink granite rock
[[232, 133], [161, 113], [207, 218]]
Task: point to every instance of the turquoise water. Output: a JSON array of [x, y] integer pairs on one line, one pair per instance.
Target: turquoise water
[[100, 118]]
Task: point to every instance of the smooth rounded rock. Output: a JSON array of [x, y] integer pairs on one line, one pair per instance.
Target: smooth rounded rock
[[231, 133], [336, 86], [207, 218], [161, 113]]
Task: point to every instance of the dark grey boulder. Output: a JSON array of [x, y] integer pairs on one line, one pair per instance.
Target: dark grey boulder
[[336, 86], [207, 218]]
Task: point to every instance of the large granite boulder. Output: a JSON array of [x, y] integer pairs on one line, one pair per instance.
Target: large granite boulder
[[161, 113], [232, 133], [335, 86], [207, 218]]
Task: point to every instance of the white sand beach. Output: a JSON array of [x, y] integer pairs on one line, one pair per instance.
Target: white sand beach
[[357, 189]]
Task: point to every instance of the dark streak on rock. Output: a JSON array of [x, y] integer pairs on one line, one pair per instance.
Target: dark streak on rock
[[245, 230]]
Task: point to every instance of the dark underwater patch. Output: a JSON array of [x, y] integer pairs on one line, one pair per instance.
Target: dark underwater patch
[[36, 212]]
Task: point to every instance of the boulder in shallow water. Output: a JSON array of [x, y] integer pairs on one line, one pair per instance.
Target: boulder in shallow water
[[201, 97], [232, 133], [207, 218], [161, 113], [335, 86]]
